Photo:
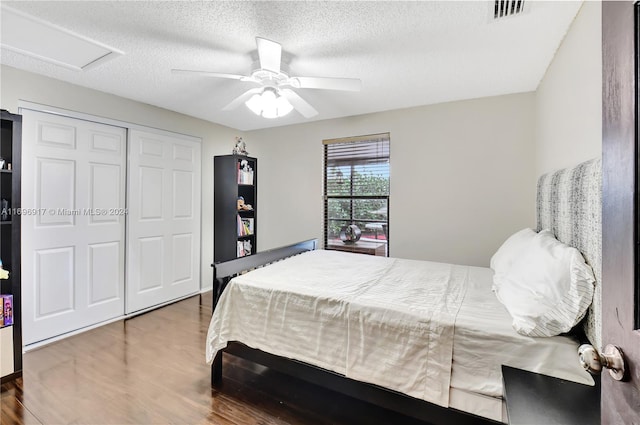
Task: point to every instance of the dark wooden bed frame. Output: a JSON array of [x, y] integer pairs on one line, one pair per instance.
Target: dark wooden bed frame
[[383, 397]]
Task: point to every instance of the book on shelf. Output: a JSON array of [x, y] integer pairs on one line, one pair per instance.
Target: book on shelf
[[243, 248], [248, 225], [246, 247], [7, 310], [245, 226], [245, 173], [245, 177]]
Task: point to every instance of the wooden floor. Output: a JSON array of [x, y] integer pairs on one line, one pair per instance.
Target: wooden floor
[[151, 369]]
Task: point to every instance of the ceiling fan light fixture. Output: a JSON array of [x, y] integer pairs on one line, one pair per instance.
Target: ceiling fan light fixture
[[283, 106], [269, 104], [274, 97]]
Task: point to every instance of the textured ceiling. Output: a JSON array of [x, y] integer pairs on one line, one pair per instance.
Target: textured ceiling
[[406, 53]]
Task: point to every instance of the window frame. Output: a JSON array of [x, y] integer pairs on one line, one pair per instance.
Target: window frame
[[373, 139]]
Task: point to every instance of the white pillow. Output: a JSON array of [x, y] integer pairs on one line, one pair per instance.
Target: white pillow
[[510, 251], [547, 289]]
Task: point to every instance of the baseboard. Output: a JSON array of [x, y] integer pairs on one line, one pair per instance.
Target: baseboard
[[10, 377]]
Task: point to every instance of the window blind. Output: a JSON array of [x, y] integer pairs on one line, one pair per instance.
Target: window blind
[[356, 187]]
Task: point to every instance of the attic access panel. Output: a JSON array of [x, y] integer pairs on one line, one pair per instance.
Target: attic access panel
[[40, 39]]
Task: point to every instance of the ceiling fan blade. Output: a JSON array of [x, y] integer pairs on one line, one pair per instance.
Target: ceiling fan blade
[[242, 98], [327, 83], [211, 74], [299, 103], [270, 54]]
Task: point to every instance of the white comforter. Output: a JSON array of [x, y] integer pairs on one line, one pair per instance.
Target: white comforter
[[390, 322], [385, 321]]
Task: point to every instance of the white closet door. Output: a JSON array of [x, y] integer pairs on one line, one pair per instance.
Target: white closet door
[[73, 199], [163, 254]]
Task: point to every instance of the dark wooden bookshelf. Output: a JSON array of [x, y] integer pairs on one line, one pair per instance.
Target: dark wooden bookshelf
[[10, 152], [227, 188]]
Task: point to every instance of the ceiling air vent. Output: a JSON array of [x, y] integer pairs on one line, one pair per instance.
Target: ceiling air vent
[[506, 8]]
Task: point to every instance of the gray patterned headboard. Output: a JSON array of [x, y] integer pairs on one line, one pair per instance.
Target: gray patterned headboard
[[569, 203]]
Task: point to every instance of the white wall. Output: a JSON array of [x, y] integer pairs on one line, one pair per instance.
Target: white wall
[[216, 139], [463, 173], [462, 176], [569, 98]]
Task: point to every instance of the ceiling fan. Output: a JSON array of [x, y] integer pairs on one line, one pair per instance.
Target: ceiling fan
[[274, 97]]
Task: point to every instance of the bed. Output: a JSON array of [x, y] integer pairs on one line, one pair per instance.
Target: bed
[[423, 338]]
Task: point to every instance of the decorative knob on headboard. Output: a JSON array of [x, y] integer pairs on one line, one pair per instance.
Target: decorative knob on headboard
[[612, 358]]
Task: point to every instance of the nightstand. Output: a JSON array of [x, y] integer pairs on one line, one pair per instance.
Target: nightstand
[[534, 399]]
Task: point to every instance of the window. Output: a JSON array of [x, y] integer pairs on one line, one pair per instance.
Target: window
[[356, 192]]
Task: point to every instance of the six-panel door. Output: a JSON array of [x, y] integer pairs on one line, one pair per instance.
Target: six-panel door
[[73, 188], [163, 249]]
